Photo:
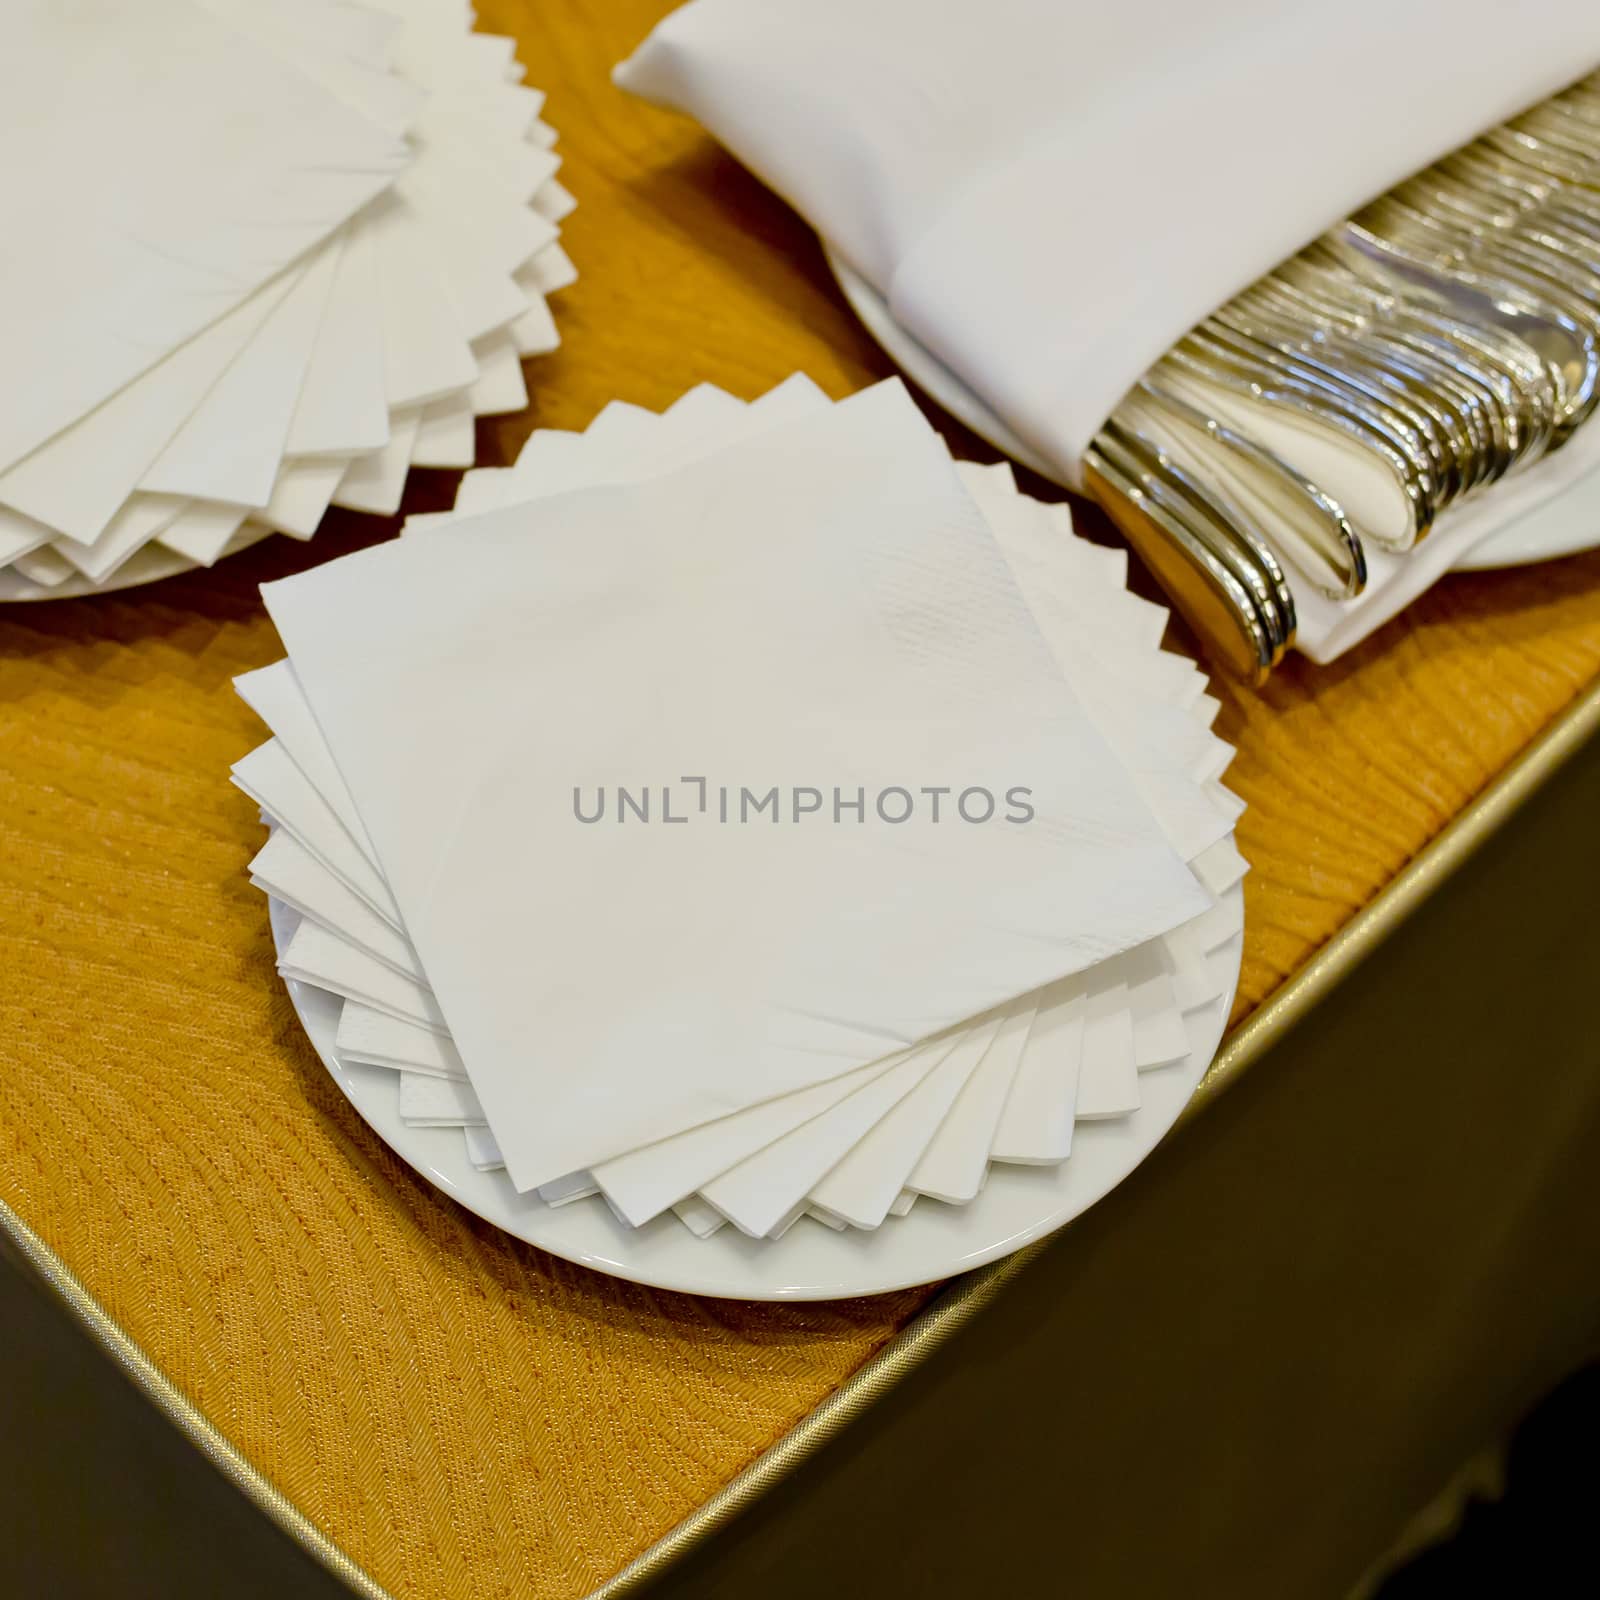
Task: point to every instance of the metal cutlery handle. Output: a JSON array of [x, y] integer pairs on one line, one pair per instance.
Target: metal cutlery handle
[[1446, 337]]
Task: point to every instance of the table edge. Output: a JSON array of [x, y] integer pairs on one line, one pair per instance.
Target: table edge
[[953, 1307], [965, 1297]]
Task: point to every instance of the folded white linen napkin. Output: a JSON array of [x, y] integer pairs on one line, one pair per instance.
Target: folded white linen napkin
[[1047, 197]]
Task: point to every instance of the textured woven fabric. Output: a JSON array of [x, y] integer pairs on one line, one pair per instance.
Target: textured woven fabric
[[463, 1415], [462, 1412]]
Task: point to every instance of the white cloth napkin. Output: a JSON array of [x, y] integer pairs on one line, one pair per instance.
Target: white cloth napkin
[[1047, 197]]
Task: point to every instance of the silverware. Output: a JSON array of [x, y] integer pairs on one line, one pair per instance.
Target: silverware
[[1445, 338], [1312, 525], [1202, 585]]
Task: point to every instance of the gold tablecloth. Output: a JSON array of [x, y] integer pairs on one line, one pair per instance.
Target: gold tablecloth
[[459, 1414]]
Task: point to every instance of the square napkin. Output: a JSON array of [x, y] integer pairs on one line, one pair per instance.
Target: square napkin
[[365, 286], [997, 1100], [897, 640]]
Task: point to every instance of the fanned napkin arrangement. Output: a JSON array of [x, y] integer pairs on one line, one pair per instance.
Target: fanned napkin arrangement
[[1033, 205], [746, 812], [260, 259]]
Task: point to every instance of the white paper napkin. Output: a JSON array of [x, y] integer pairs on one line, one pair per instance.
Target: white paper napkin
[[273, 399], [465, 662], [771, 1192], [126, 223]]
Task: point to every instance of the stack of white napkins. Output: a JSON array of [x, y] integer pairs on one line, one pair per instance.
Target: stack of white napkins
[[260, 259], [746, 811]]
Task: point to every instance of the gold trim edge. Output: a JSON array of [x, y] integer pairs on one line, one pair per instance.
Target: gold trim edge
[[180, 1410], [954, 1306]]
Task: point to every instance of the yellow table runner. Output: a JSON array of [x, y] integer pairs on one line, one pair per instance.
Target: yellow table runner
[[461, 1414]]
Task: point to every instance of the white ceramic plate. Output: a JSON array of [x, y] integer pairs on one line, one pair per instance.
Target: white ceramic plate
[[1560, 527], [148, 565], [810, 1261]]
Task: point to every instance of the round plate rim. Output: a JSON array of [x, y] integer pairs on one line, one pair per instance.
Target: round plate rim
[[171, 565], [761, 1269]]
